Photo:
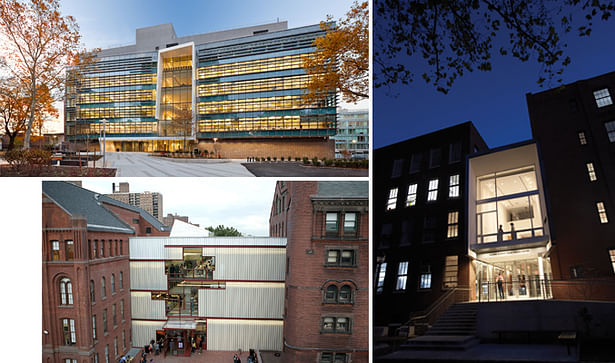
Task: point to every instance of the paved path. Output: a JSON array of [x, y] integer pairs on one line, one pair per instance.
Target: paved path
[[130, 164]]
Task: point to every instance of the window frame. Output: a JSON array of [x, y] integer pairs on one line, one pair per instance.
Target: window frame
[[55, 250], [392, 199], [70, 251], [432, 190], [412, 195], [604, 219], [335, 323], [452, 230], [69, 334], [329, 223], [401, 283], [339, 257], [381, 273], [454, 185], [591, 172], [66, 292], [425, 278], [350, 229], [603, 99]]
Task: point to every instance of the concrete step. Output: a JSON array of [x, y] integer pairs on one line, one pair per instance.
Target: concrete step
[[441, 342]]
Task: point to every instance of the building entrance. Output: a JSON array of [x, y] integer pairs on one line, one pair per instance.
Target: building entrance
[[518, 279]]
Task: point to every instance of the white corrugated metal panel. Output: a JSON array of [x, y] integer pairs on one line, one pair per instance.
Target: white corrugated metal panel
[[226, 241], [262, 264], [147, 248], [147, 275], [143, 307], [226, 334], [243, 300], [144, 331]]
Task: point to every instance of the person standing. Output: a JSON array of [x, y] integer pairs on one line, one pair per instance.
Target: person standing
[[500, 283]]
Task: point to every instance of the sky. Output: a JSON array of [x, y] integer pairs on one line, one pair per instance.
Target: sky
[[494, 101], [234, 202], [112, 23]]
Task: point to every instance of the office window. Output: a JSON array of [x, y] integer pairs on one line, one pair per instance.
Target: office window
[[612, 257], [350, 222], [582, 138], [92, 292], [94, 327], [453, 225], [450, 271], [434, 157], [103, 287], [432, 193], [335, 325], [411, 197], [68, 330], [333, 357], [66, 292], [122, 309], [381, 271], [70, 250], [454, 152], [331, 294], [602, 212], [392, 201], [113, 283], [55, 250], [603, 98], [591, 172], [345, 295], [331, 223], [610, 130], [121, 280], [105, 321], [402, 276], [415, 163], [453, 186], [425, 277], [397, 166]]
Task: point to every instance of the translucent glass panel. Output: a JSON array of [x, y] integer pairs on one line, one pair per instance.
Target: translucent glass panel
[[253, 104], [119, 96], [118, 128], [506, 183], [116, 112], [509, 219], [254, 66], [267, 123], [260, 85], [174, 63], [123, 80]]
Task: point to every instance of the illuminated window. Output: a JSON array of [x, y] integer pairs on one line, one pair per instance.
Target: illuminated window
[[591, 171], [582, 138], [55, 250], [392, 201], [402, 276], [612, 256], [603, 98], [70, 250], [602, 212], [66, 292], [453, 225], [453, 186], [610, 130], [425, 277], [450, 271], [68, 330], [381, 270], [411, 197], [432, 193]]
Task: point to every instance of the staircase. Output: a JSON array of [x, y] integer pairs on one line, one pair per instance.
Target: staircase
[[455, 330]]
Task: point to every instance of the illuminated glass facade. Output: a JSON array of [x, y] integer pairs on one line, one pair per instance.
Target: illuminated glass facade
[[242, 84], [352, 139]]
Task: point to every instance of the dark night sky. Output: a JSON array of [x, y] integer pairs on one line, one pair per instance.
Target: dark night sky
[[494, 100]]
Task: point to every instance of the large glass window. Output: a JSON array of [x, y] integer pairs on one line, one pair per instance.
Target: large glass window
[[508, 207], [68, 329], [591, 172], [411, 197], [392, 201], [603, 98], [432, 193], [453, 186], [453, 225], [66, 292], [602, 212]]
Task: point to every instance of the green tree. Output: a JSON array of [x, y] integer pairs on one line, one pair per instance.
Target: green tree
[[221, 230], [451, 37]]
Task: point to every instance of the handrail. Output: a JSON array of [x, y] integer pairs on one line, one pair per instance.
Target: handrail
[[436, 309]]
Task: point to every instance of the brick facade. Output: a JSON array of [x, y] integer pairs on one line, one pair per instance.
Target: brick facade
[[308, 274]]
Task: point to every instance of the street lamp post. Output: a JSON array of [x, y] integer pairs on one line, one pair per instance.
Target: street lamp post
[[215, 149]]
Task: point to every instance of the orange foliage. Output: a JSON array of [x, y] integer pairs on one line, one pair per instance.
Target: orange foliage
[[341, 61]]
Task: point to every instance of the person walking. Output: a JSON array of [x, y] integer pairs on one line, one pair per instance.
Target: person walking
[[500, 283]]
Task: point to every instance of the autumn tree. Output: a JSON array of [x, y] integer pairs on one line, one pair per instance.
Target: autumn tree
[[341, 60], [443, 39], [38, 44], [222, 230]]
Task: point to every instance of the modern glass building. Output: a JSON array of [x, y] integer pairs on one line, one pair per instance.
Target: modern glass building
[[352, 139], [235, 93]]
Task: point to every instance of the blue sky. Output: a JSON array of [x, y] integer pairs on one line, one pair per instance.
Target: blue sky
[[494, 101], [113, 22]]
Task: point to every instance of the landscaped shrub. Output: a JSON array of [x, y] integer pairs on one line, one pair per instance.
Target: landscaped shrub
[[297, 158], [275, 158], [315, 161], [306, 161], [268, 158], [281, 158], [289, 159], [328, 162]]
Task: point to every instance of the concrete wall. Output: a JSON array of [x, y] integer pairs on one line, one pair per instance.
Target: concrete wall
[[547, 315], [240, 149]]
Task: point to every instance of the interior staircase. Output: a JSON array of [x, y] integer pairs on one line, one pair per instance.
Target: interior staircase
[[454, 330]]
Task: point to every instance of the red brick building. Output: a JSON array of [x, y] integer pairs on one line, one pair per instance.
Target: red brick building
[[327, 264], [86, 276]]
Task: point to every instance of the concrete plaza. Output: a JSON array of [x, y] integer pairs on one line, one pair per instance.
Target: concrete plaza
[[129, 164]]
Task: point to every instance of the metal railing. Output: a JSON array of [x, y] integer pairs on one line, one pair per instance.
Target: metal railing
[[429, 316]]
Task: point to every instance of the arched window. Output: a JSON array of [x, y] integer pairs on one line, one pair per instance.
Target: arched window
[[66, 291], [113, 283], [331, 294], [103, 287], [345, 294], [92, 291]]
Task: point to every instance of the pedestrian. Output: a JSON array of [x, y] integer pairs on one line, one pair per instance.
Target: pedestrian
[[234, 358], [500, 282], [500, 234], [513, 234]]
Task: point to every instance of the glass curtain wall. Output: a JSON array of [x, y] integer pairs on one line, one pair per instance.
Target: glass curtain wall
[[176, 98], [508, 206]]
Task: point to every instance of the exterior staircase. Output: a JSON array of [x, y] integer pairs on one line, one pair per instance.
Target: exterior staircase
[[454, 330]]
